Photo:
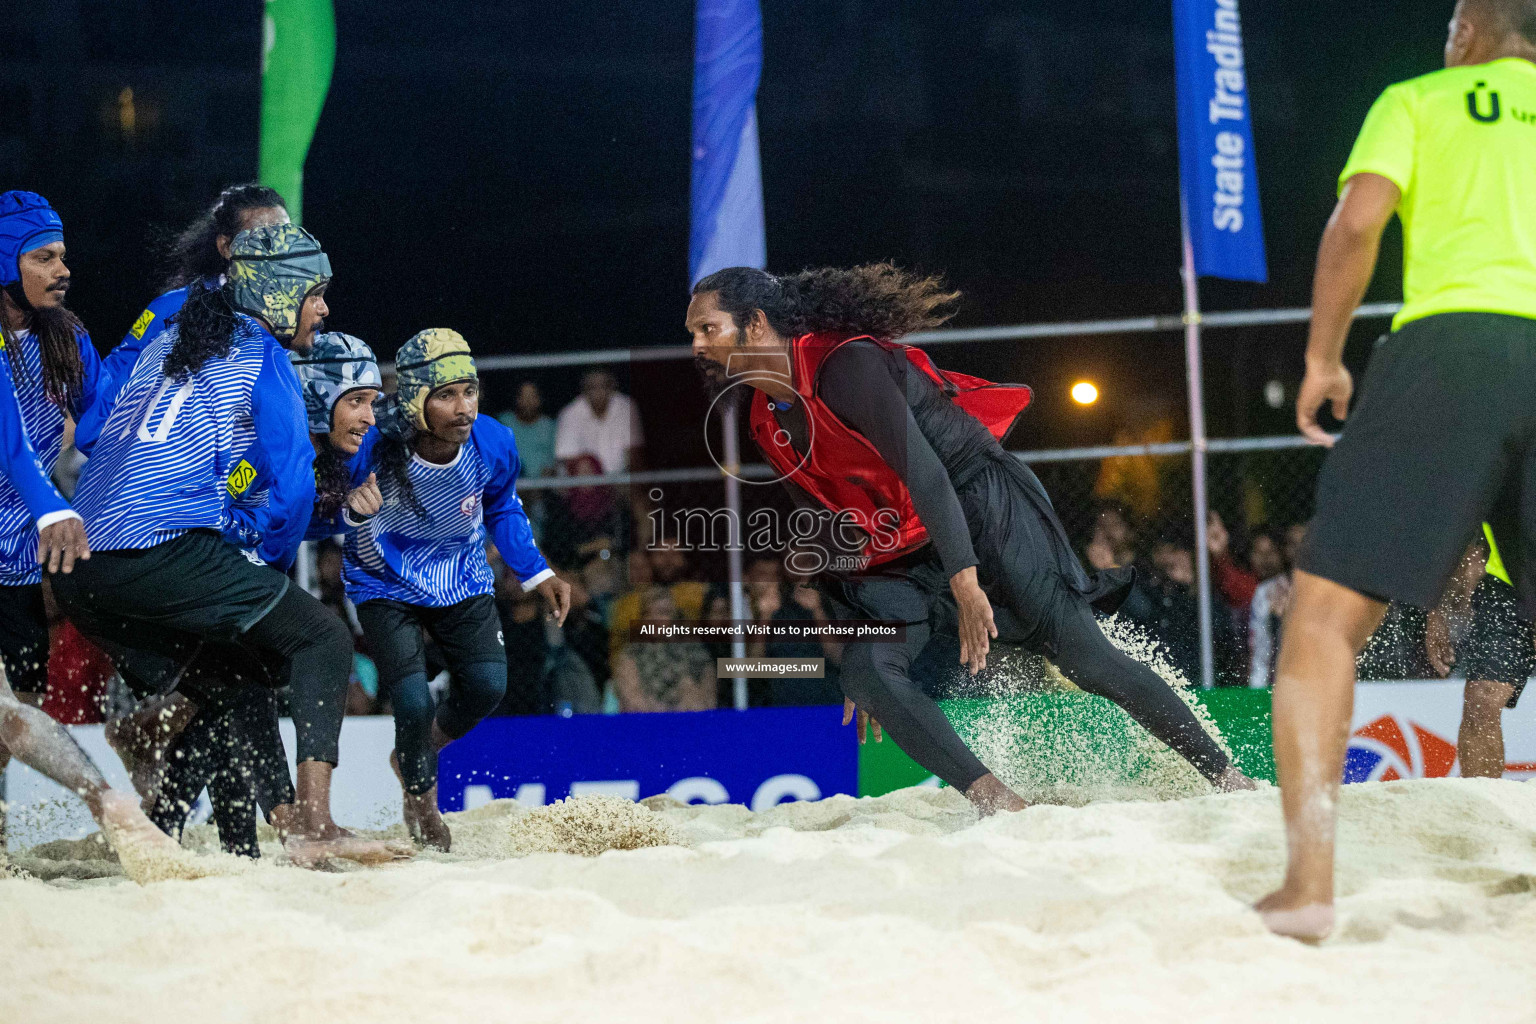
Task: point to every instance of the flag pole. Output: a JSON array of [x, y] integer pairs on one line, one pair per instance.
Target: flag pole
[[738, 591], [1197, 451]]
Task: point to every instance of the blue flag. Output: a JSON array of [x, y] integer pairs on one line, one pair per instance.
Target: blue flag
[[1216, 160], [727, 183]]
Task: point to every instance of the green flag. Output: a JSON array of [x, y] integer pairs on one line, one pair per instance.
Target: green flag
[[298, 52]]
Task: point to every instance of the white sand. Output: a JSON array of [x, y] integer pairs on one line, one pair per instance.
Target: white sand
[[900, 908]]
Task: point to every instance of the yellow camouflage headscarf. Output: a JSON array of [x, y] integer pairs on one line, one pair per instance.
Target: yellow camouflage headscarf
[[432, 359], [271, 270]]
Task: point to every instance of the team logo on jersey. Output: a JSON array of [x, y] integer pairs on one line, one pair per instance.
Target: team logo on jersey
[[240, 478], [142, 324], [1393, 748], [467, 506]]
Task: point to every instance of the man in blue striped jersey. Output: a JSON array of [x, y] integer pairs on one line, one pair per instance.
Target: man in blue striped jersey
[[163, 580], [47, 369], [446, 475]]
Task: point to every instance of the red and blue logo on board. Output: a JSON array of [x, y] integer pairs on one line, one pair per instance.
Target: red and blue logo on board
[[1392, 747]]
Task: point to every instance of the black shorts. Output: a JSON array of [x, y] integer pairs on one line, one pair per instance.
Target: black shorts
[[24, 637], [1440, 440], [1501, 645], [158, 611], [467, 633]]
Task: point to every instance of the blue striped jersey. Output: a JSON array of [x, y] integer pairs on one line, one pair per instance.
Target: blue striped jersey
[[440, 560], [116, 368], [161, 465], [42, 426]]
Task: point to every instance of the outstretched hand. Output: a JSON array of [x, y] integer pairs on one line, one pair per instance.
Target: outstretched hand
[[849, 707], [977, 628]]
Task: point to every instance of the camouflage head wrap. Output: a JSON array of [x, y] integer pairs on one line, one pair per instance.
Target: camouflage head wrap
[[337, 364], [432, 359], [271, 270]]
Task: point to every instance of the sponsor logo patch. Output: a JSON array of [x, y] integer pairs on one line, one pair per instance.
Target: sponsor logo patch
[[141, 324], [240, 478]]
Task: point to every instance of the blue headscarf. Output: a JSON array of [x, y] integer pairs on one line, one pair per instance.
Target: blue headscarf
[[27, 222]]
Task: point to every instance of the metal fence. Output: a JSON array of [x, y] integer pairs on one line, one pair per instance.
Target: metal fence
[[1252, 481]]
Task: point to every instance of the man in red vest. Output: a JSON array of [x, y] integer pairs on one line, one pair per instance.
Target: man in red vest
[[933, 521]]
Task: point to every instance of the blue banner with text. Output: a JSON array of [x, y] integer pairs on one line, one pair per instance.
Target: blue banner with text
[[1216, 159], [760, 757]]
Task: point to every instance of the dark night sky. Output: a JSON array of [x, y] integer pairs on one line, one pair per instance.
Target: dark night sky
[[519, 171]]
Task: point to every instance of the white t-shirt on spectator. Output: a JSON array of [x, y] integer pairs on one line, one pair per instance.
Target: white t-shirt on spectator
[[580, 431]]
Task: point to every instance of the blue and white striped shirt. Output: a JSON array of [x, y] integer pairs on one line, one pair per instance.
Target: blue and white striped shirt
[[440, 560], [161, 465], [42, 425], [118, 365]]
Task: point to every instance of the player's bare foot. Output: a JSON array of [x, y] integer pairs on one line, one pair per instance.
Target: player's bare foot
[[1294, 916], [310, 844], [425, 822], [306, 852], [144, 851], [1232, 781], [990, 796]]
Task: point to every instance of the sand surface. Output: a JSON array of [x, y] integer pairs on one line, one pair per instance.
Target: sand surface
[[897, 908]]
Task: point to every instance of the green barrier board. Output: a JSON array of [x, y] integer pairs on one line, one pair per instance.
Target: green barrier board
[[1072, 738]]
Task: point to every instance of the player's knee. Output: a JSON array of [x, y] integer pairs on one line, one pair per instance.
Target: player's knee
[[479, 690], [1483, 703], [334, 636], [412, 704], [1323, 612]]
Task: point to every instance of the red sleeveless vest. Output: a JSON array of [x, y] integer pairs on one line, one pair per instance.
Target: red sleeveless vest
[[843, 471]]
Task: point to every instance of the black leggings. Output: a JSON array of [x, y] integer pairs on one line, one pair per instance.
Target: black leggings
[[469, 636], [877, 677], [238, 755], [179, 603], [1024, 570]]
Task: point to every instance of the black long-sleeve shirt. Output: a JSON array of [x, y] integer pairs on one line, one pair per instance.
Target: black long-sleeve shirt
[[919, 432]]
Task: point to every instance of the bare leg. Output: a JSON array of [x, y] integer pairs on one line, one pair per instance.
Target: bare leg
[[1326, 629], [989, 796], [1480, 741], [312, 837], [44, 745]]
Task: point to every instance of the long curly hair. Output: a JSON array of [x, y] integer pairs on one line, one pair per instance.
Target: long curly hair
[[194, 255], [205, 326], [878, 299], [392, 463], [58, 333], [332, 479]]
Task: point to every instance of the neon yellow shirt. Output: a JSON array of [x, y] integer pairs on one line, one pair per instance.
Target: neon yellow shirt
[[1461, 145], [1495, 562]]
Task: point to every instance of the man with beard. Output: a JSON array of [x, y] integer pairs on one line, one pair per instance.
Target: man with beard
[[48, 370], [948, 522]]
